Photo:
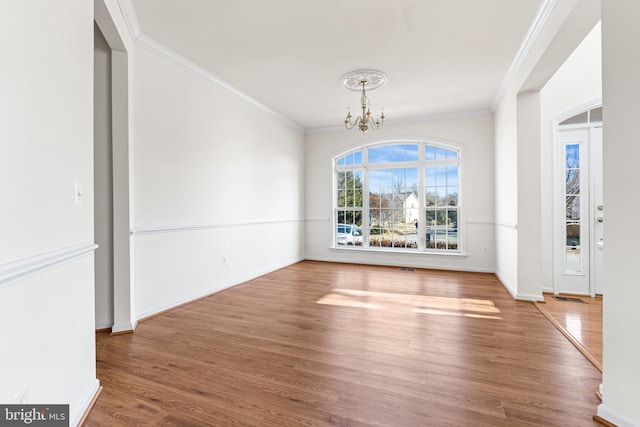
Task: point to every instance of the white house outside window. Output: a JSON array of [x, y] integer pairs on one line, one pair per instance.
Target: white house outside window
[[399, 196]]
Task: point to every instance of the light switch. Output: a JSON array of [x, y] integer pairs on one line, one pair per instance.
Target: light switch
[[77, 193]]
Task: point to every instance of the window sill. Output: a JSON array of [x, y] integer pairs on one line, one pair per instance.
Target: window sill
[[357, 249]]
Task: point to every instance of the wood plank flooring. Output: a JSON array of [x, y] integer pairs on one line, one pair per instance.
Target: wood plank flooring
[[329, 344], [581, 320]]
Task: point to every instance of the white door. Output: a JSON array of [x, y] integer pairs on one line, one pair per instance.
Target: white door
[[580, 213]]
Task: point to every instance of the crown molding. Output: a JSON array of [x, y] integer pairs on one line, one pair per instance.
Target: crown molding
[[154, 46], [532, 35], [130, 18]]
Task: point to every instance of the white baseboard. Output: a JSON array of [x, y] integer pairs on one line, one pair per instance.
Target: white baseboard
[[614, 417], [401, 264], [79, 412], [506, 284], [529, 297], [517, 295], [124, 327]]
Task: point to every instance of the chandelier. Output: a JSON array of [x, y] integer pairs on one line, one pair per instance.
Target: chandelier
[[362, 80]]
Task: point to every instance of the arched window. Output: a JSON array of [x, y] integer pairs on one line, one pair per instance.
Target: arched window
[[403, 195]]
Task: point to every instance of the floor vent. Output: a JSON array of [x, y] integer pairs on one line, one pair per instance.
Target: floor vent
[[407, 269], [568, 299]]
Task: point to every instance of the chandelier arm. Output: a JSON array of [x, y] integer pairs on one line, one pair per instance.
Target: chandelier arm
[[349, 124]]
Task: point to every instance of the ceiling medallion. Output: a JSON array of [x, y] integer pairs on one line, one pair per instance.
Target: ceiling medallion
[[361, 80]]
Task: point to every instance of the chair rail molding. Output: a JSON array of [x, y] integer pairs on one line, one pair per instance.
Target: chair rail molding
[[175, 228], [18, 270]]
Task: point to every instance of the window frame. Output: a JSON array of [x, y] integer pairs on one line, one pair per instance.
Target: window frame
[[421, 164]]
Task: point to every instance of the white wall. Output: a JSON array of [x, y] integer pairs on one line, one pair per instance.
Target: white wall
[[46, 244], [621, 119], [473, 132], [529, 195], [506, 192], [576, 83], [214, 179]]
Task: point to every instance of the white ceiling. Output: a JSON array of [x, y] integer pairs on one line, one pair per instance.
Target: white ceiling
[[440, 56]]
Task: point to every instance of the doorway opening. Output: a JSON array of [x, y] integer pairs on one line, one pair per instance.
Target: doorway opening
[[102, 180], [114, 292]]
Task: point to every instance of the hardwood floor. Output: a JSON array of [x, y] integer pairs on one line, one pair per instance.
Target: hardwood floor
[[337, 344], [580, 320]]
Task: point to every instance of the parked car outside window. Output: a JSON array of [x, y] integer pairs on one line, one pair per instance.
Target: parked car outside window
[[349, 234]]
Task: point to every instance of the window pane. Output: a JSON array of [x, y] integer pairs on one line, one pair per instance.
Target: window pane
[[341, 198], [374, 200], [430, 196], [441, 175], [357, 176], [452, 219], [348, 231], [340, 161], [579, 118], [430, 237], [573, 234], [441, 196], [573, 259], [374, 155], [572, 156], [452, 229], [441, 153], [595, 115], [412, 179], [386, 153], [357, 189], [452, 175], [430, 153], [452, 196], [357, 158], [399, 154], [573, 208], [341, 181], [430, 177], [452, 154], [398, 179], [350, 195], [349, 159], [374, 181], [573, 181], [412, 152]]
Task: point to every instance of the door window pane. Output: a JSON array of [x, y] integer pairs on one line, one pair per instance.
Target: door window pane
[[572, 201]]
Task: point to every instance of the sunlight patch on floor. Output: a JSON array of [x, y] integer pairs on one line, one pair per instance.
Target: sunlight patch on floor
[[574, 325], [419, 304]]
